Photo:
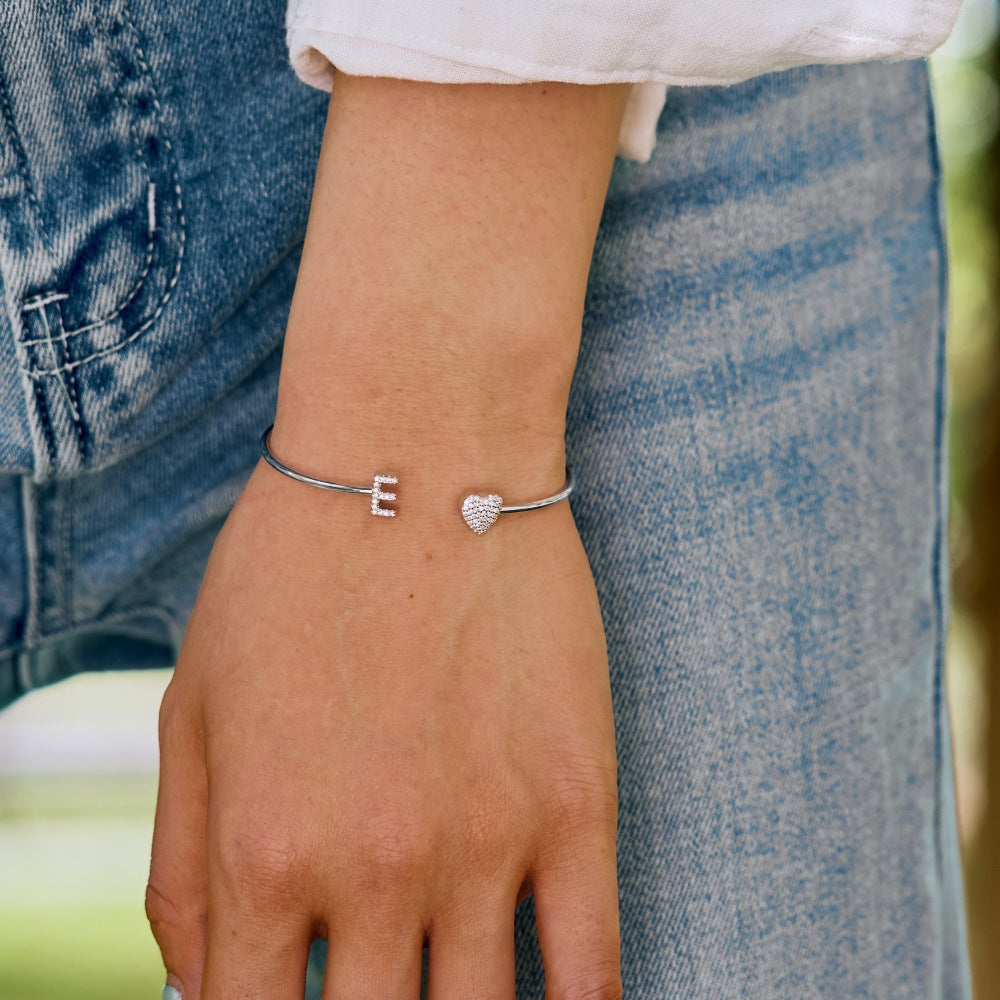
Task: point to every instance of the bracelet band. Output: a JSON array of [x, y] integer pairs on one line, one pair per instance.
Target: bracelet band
[[478, 512]]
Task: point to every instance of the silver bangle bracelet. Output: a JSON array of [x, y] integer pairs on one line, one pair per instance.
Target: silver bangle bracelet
[[478, 512]]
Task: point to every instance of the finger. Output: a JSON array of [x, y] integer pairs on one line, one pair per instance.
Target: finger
[[369, 959], [472, 951], [576, 915], [258, 939], [176, 903]]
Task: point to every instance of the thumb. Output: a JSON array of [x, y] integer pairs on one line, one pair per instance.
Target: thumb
[[176, 895]]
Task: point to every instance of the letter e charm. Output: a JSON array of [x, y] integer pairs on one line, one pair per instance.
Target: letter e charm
[[378, 494]]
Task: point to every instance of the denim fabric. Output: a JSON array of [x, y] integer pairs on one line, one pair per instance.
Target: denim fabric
[[757, 421], [156, 162]]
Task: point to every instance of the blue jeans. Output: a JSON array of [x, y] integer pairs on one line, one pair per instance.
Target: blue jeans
[[757, 419]]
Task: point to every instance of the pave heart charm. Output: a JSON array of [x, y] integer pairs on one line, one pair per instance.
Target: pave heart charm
[[480, 512]]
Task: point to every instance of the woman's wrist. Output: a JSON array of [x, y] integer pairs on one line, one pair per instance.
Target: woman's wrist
[[439, 421], [436, 318], [436, 461]]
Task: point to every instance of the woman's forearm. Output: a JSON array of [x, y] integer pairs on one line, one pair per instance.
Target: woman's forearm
[[389, 732], [436, 319]]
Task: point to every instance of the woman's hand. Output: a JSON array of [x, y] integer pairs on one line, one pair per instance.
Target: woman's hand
[[389, 730], [381, 736]]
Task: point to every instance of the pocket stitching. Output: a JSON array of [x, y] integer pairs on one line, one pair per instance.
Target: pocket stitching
[[181, 240]]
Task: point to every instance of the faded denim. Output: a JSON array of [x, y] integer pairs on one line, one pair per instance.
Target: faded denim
[[757, 420]]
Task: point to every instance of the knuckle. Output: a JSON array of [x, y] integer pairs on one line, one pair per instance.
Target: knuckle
[[175, 728], [585, 797], [483, 840], [170, 918], [390, 852], [263, 867], [168, 713]]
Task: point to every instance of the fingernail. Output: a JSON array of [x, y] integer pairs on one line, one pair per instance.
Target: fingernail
[[169, 993]]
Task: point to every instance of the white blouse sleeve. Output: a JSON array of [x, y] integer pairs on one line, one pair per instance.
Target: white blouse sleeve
[[650, 43]]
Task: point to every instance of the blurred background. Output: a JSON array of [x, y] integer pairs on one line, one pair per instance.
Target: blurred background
[[967, 91], [76, 812]]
